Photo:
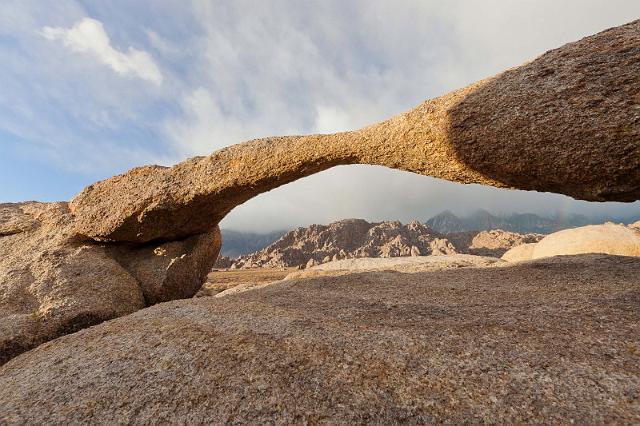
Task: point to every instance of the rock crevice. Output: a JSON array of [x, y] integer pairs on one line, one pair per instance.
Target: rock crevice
[[54, 282]]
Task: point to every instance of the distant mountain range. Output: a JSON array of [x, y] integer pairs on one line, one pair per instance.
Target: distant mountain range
[[237, 243], [356, 238], [481, 220]]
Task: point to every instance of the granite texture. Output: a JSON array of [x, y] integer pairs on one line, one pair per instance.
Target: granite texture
[[551, 341], [567, 122]]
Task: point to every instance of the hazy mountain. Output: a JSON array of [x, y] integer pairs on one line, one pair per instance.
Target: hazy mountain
[[480, 220], [237, 243], [447, 222]]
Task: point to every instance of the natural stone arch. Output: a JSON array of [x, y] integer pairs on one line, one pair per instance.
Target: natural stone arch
[[567, 122]]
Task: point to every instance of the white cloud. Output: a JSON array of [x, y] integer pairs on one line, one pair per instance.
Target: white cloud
[[332, 120], [89, 36]]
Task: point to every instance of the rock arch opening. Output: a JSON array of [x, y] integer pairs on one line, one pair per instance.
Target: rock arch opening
[[565, 122]]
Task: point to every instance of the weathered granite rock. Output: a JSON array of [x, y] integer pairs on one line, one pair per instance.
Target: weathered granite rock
[[223, 262], [411, 264], [348, 238], [552, 341], [566, 122], [408, 264], [14, 218], [608, 238], [53, 282], [519, 253], [173, 270], [495, 242]]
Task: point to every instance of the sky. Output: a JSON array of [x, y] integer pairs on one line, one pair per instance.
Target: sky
[[89, 89]]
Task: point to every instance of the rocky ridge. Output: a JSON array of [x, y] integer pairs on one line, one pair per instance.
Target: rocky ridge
[[347, 239], [357, 238], [240, 243], [447, 222], [493, 242]]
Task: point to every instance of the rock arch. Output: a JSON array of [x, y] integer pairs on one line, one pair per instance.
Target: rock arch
[[567, 122]]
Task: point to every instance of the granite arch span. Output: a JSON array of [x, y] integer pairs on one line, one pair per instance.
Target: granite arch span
[[566, 122]]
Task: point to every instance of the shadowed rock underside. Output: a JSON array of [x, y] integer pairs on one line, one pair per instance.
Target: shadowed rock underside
[[54, 282]]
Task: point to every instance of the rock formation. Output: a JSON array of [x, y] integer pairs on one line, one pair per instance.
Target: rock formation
[[219, 281], [223, 262], [412, 264], [519, 253], [357, 238], [608, 238], [551, 341], [53, 282], [495, 242], [446, 223], [565, 122], [347, 239]]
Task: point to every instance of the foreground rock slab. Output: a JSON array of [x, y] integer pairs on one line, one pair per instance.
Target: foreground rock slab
[[566, 122], [54, 282], [412, 264], [549, 341], [407, 265]]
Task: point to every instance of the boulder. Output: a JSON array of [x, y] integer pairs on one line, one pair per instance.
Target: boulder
[[508, 345], [495, 242], [608, 238], [519, 253], [172, 270], [565, 122], [54, 282]]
